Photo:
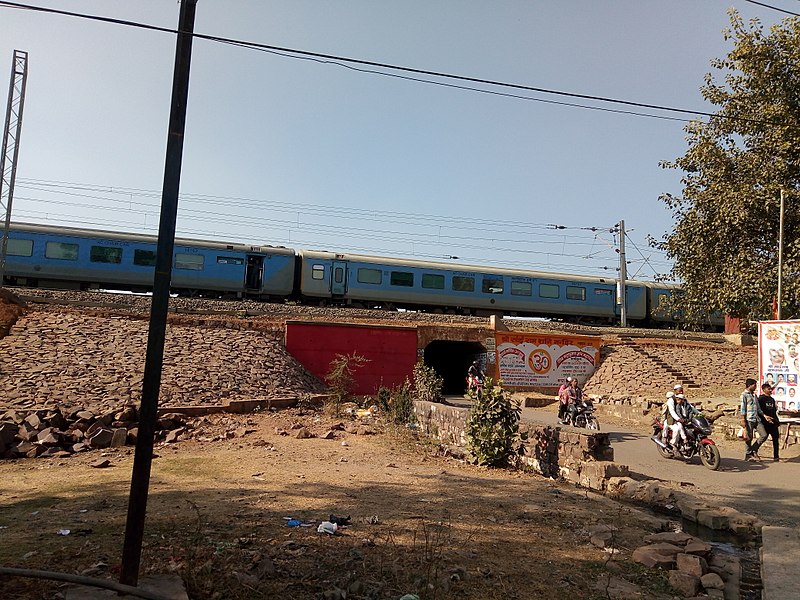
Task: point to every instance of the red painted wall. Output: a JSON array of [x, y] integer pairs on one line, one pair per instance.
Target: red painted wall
[[392, 351]]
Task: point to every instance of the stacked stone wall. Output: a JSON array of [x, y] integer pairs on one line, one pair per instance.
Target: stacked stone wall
[[576, 455]]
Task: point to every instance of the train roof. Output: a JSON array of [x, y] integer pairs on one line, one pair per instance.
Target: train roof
[[143, 237], [452, 266]]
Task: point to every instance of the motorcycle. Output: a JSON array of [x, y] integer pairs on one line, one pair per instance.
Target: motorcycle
[[697, 441], [581, 414], [474, 386]]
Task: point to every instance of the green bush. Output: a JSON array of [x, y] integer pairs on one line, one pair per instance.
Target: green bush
[[427, 383], [397, 404], [493, 427]]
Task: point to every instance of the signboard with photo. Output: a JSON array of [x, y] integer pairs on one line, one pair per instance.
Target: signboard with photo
[[527, 361], [779, 361]]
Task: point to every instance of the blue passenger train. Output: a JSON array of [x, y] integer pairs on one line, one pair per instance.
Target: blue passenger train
[[74, 258]]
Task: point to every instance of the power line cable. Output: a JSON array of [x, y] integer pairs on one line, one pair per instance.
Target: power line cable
[[788, 12], [330, 57]]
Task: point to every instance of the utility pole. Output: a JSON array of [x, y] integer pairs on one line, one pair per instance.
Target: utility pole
[[623, 276], [780, 259], [154, 360], [10, 151]]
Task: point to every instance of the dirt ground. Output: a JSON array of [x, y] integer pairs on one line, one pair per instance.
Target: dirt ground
[[218, 510]]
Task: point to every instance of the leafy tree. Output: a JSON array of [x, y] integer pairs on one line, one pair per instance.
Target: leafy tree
[[725, 241]]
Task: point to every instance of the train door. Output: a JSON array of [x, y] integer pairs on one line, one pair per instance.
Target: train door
[[339, 278], [254, 273]]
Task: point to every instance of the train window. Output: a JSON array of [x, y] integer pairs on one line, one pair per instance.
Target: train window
[[492, 286], [434, 282], [402, 278], [463, 284], [369, 276], [105, 254], [61, 251], [230, 260], [192, 262], [318, 272], [144, 258], [338, 274], [548, 290], [19, 247], [521, 288], [575, 292]]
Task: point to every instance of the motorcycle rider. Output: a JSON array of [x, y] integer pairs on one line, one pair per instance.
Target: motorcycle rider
[[679, 411], [475, 375], [563, 399], [574, 396]]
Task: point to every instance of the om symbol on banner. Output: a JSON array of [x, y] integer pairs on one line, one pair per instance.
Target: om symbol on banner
[[539, 361]]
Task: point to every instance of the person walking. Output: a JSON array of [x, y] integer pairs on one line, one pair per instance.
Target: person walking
[[751, 414], [768, 407]]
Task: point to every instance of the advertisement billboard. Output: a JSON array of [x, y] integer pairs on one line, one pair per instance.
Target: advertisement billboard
[[779, 360], [530, 361]]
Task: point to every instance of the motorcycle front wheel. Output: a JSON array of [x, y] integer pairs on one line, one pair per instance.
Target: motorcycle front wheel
[[664, 452], [593, 423], [709, 456], [580, 421]]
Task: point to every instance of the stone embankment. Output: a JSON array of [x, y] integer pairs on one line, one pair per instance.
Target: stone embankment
[[649, 368], [79, 360]]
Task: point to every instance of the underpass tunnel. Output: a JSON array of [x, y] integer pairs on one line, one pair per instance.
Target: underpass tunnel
[[451, 361]]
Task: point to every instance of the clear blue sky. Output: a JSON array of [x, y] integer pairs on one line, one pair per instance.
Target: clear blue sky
[[310, 155]]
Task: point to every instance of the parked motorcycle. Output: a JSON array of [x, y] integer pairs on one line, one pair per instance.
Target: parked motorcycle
[[697, 441], [581, 414]]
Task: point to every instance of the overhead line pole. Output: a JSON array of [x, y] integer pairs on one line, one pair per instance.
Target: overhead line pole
[[623, 276], [779, 299], [148, 412], [10, 152]]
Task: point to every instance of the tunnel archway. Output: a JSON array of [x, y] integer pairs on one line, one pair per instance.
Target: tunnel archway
[[451, 361]]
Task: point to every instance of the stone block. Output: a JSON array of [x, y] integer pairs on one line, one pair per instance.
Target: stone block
[[678, 538], [712, 581], [654, 558], [8, 431], [119, 438], [691, 564], [699, 548], [690, 508], [686, 584], [713, 519], [100, 438]]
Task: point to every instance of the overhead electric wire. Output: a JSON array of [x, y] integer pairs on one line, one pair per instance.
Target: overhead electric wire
[[788, 12], [338, 211], [340, 59], [77, 220]]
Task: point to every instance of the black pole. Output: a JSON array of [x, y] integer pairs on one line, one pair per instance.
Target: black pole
[[143, 459]]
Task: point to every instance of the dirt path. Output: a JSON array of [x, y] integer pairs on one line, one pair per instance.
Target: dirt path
[[769, 490], [217, 511]]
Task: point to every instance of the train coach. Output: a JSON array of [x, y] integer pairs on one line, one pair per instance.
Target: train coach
[[84, 259], [380, 282]]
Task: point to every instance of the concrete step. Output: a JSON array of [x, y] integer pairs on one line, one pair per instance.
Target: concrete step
[[779, 574]]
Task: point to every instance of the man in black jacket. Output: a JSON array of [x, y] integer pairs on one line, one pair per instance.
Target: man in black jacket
[[768, 407]]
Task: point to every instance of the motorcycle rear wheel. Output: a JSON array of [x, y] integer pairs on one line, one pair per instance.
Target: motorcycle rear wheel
[[709, 456], [580, 421]]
